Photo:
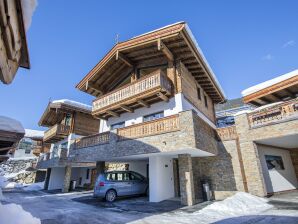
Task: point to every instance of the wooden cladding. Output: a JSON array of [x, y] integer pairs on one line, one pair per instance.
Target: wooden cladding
[[155, 83], [98, 139], [58, 131], [155, 127], [274, 114], [227, 133]]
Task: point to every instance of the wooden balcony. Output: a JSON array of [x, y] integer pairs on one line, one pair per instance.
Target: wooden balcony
[[141, 93], [56, 133], [274, 114], [145, 129]]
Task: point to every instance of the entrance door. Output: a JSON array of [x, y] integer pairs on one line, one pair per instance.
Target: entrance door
[[278, 170]]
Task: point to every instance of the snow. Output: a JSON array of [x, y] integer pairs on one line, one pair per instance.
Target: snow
[[240, 204], [29, 133], [34, 187], [15, 214], [73, 103], [269, 83], [28, 7], [23, 158], [10, 125]]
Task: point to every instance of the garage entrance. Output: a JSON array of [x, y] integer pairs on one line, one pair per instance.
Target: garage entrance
[[279, 164]]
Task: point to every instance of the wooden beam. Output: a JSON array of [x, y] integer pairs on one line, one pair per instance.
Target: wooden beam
[[289, 93], [274, 97], [125, 59], [162, 47], [127, 108], [163, 97], [114, 114], [143, 103], [92, 86], [262, 102]]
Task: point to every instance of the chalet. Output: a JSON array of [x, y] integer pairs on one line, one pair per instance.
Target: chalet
[[66, 120], [155, 97], [11, 132], [15, 19]]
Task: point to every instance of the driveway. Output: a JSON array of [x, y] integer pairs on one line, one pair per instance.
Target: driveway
[[81, 208]]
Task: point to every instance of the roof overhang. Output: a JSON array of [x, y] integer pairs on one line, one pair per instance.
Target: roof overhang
[[55, 112], [168, 44], [281, 88]]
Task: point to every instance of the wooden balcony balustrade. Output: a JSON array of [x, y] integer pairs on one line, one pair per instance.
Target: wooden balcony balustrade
[[274, 114], [227, 133], [56, 133], [149, 128], [155, 127], [148, 89], [97, 139]]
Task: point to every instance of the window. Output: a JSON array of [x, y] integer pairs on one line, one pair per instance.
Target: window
[[274, 162], [205, 100], [87, 174], [118, 125], [27, 151], [199, 93], [135, 176], [154, 116], [122, 176], [68, 120], [111, 176]]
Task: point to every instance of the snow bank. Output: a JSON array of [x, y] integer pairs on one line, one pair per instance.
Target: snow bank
[[28, 8], [11, 125], [74, 104], [15, 214], [268, 83], [34, 187], [240, 204], [29, 133]]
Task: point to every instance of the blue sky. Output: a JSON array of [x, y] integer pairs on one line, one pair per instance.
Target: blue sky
[[245, 42]]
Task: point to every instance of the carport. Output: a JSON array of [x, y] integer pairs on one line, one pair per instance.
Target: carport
[[279, 161]]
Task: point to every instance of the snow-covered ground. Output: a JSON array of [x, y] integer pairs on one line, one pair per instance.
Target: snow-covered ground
[[241, 208]]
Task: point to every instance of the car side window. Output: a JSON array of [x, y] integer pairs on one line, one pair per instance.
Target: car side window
[[135, 177], [111, 177], [123, 177]]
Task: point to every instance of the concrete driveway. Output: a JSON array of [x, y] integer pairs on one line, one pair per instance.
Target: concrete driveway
[[82, 208]]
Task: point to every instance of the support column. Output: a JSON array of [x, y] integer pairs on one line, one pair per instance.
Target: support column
[[66, 182], [100, 168], [186, 179]]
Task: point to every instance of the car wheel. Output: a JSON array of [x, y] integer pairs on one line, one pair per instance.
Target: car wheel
[[111, 195]]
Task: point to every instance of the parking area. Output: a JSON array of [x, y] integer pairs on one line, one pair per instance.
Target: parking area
[[82, 208]]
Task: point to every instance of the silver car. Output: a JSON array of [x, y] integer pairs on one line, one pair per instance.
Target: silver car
[[112, 184]]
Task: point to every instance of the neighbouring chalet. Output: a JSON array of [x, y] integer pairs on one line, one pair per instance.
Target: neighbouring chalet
[[154, 99], [66, 120], [15, 18], [11, 132]]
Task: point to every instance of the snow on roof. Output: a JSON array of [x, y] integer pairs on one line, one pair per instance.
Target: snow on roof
[[268, 83], [10, 125], [28, 7], [29, 133], [73, 104]]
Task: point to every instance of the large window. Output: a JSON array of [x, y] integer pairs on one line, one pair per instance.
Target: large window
[[154, 116], [274, 162], [118, 125]]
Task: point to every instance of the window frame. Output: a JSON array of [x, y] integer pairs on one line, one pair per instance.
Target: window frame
[[118, 123]]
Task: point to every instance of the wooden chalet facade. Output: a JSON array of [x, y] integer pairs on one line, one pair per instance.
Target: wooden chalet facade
[[13, 43]]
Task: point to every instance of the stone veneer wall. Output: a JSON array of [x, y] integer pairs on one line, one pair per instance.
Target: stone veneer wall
[[294, 158]]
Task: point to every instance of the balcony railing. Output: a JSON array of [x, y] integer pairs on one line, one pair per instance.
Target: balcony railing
[[146, 86], [155, 127], [56, 133], [149, 128], [227, 133], [97, 139], [274, 114]]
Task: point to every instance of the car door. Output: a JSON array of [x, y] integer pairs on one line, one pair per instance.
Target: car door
[[124, 185], [138, 183]]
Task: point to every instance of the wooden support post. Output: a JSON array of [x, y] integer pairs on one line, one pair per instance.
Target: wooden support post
[[114, 114], [126, 108], [163, 97], [162, 47], [143, 103]]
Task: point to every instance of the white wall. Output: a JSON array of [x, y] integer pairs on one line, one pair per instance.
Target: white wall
[[174, 106], [161, 180], [56, 178], [139, 167], [278, 180]]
